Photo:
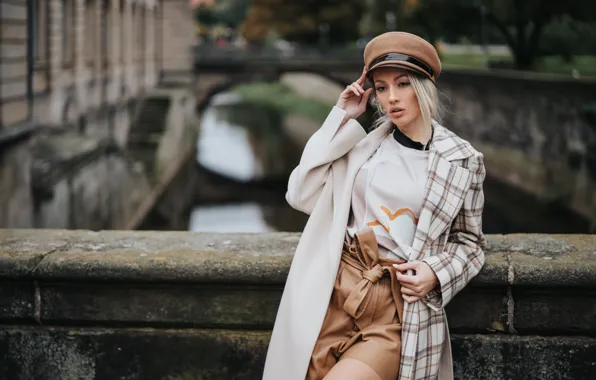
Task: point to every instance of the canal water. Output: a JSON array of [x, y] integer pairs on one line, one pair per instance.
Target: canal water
[[245, 155]]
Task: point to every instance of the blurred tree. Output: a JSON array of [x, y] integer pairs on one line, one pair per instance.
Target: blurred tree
[[432, 20], [566, 37], [520, 22], [256, 26], [307, 21], [232, 13], [205, 15], [221, 14]]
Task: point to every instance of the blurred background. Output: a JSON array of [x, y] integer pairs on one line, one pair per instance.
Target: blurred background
[[190, 115]]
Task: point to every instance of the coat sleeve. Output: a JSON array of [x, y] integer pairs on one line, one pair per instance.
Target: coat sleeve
[[464, 252], [326, 145]]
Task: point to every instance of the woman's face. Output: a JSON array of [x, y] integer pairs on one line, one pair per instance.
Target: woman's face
[[396, 95]]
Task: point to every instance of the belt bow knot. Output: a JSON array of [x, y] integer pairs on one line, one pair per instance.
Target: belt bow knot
[[374, 274], [364, 256]]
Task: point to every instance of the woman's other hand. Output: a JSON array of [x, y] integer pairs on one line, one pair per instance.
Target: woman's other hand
[[415, 286], [354, 98]]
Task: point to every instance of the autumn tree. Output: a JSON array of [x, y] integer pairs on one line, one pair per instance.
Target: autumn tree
[[306, 21]]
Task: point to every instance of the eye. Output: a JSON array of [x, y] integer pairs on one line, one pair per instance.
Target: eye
[[380, 88], [403, 84]]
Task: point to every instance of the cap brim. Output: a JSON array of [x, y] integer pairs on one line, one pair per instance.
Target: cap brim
[[401, 65]]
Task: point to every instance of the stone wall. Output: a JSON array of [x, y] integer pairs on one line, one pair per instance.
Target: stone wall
[[178, 305], [67, 179], [536, 132], [75, 76]]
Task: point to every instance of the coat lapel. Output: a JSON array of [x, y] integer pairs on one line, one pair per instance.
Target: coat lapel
[[445, 190], [342, 200]]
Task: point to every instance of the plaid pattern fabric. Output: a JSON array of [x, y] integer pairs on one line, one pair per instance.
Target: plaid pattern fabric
[[454, 199]]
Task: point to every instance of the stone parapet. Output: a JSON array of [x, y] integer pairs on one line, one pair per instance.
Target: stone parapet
[[202, 305]]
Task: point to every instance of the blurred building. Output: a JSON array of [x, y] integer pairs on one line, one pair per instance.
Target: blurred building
[[77, 71], [62, 58]]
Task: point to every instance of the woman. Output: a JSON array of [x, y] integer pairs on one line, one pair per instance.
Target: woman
[[394, 215]]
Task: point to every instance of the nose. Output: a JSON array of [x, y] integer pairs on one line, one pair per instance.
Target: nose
[[393, 95]]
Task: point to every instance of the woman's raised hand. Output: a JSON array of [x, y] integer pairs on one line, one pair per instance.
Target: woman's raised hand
[[353, 99]]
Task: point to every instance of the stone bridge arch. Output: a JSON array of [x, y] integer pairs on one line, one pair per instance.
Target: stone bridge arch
[[211, 79]]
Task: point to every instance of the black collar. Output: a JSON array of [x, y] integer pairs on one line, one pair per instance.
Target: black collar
[[404, 140]]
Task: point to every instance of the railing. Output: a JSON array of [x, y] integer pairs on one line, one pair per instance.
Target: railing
[[177, 305]]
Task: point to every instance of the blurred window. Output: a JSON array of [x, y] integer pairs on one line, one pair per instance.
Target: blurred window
[[90, 31], [40, 33], [68, 32], [104, 31]]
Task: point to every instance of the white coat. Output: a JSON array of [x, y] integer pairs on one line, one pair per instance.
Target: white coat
[[321, 186]]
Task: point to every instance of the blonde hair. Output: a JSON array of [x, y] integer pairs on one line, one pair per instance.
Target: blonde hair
[[428, 100]]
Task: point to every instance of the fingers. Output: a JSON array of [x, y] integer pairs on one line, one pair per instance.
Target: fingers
[[407, 279], [362, 78], [366, 95], [354, 89], [359, 87], [411, 299], [411, 295], [411, 291], [414, 265]]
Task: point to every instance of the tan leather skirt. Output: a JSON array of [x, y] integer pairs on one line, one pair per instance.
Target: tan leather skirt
[[363, 320]]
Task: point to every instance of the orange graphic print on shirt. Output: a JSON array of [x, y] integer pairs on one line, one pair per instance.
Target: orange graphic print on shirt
[[392, 217]]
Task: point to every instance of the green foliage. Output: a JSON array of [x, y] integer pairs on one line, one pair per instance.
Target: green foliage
[[567, 37], [282, 98], [230, 13], [205, 15], [582, 65]]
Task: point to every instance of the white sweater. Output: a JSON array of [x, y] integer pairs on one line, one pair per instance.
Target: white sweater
[[387, 196]]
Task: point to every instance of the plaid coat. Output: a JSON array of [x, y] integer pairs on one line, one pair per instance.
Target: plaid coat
[[448, 237]]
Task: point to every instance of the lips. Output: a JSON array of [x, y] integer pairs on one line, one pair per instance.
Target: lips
[[396, 111]]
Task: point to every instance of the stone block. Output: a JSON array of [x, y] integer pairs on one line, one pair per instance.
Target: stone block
[[12, 70], [555, 311], [14, 89], [13, 51], [500, 357], [48, 353], [14, 112], [180, 305], [16, 12], [478, 310], [21, 251], [13, 31], [17, 301], [173, 257], [553, 261]]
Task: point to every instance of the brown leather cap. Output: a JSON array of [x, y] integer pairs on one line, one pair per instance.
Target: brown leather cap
[[404, 50]]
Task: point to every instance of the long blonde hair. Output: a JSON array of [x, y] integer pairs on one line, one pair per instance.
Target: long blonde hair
[[428, 99]]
